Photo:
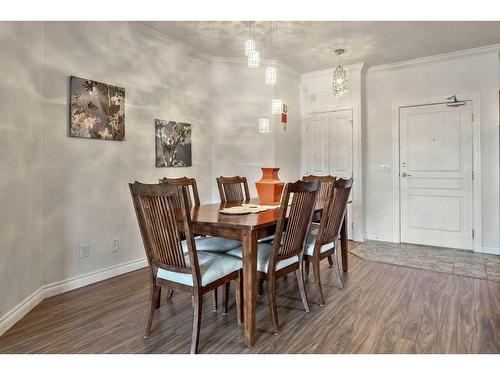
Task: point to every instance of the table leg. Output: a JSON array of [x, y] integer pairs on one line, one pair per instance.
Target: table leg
[[249, 244], [343, 243]]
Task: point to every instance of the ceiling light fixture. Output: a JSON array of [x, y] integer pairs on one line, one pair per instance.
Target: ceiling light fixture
[[340, 80], [250, 43], [254, 60], [271, 75], [276, 106], [264, 125]]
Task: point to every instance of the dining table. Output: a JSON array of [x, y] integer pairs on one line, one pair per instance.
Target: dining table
[[249, 229]]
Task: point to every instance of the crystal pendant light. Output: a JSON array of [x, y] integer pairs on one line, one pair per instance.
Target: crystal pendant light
[[264, 125], [271, 75], [254, 59], [276, 106], [250, 43], [340, 80], [249, 47]]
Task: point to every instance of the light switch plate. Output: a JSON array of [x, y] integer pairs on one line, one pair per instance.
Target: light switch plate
[[115, 246], [84, 250]]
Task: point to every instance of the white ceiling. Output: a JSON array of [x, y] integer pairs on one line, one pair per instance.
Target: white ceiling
[[308, 46]]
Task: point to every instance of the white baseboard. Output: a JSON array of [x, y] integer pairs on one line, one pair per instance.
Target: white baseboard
[[21, 309], [388, 237], [490, 249]]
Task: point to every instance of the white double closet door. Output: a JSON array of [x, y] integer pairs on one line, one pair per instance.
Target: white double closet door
[[436, 175], [328, 147]]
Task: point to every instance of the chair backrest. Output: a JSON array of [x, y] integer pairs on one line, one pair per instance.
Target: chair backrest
[[325, 182], [231, 189], [290, 240], [160, 222], [333, 212], [190, 183]]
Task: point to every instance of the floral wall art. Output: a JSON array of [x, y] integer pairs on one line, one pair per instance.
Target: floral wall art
[[173, 144], [97, 110]]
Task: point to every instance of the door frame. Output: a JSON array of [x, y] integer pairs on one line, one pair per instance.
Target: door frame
[[474, 98], [358, 209]]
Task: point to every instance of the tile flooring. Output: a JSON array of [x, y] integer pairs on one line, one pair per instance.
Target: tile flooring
[[453, 261]]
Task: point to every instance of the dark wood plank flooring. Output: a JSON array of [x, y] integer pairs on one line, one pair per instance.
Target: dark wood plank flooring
[[382, 309]]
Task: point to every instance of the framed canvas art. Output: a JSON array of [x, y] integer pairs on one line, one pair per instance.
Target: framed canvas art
[[97, 110], [173, 144]]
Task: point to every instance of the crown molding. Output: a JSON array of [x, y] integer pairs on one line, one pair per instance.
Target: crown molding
[[207, 57], [360, 66], [186, 48], [435, 58]]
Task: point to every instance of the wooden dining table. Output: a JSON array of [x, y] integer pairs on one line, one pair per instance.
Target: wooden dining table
[[249, 229]]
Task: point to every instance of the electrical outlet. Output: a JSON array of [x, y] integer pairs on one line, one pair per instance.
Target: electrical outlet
[[115, 246], [84, 250]]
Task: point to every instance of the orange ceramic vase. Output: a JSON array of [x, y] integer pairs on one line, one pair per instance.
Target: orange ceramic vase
[[270, 186]]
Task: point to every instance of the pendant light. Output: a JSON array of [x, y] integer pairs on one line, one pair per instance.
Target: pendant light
[[340, 79], [276, 106], [250, 43], [271, 73], [264, 125]]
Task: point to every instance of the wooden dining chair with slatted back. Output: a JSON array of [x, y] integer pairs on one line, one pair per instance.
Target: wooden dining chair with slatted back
[[285, 254], [325, 182], [322, 241], [233, 189], [211, 244], [197, 272]]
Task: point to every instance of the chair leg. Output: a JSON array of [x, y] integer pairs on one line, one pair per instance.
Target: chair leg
[[197, 310], [307, 268], [170, 294], [260, 287], [330, 260], [158, 300], [154, 294], [302, 288], [239, 297], [271, 293], [214, 300], [317, 279], [337, 271], [225, 298]]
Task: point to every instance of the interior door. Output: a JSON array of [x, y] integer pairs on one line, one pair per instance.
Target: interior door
[[436, 175], [318, 144], [329, 147], [341, 144]]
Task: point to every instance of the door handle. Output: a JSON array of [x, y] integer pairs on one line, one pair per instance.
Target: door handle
[[404, 174]]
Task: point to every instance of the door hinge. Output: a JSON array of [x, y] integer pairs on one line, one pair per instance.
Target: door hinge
[[472, 174], [350, 123], [307, 127], [472, 116], [473, 233]]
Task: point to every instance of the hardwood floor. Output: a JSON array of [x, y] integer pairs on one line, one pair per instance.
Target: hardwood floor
[[382, 309]]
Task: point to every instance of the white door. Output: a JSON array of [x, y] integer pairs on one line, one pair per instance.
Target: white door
[[329, 147], [436, 175], [318, 152], [341, 144]]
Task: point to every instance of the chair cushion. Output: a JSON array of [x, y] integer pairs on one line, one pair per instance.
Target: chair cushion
[[213, 244], [212, 267], [267, 239], [311, 241], [263, 254]]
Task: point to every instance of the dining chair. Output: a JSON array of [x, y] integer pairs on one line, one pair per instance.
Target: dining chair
[[285, 254], [211, 244], [170, 265], [322, 241], [325, 182], [233, 189]]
